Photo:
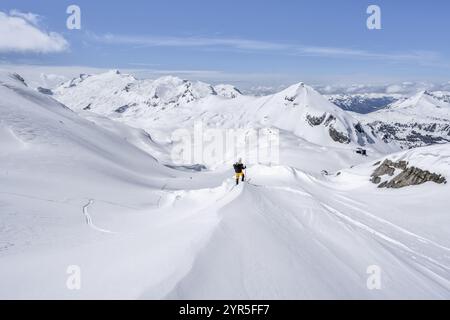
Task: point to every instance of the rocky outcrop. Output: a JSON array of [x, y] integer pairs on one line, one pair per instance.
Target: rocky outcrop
[[330, 119], [45, 91], [315, 121], [338, 136], [326, 120], [388, 167], [19, 78], [408, 176], [122, 109]]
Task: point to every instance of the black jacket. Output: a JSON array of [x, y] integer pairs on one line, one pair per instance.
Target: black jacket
[[238, 167]]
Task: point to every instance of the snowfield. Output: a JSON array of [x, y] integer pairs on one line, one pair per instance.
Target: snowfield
[[95, 188]]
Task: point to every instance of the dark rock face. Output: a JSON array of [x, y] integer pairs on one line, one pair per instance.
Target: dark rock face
[[412, 135], [330, 119], [359, 128], [290, 99], [45, 91], [416, 137], [388, 167], [315, 121], [18, 77], [122, 109], [362, 135], [409, 176], [413, 176], [338, 136], [127, 87], [376, 179]]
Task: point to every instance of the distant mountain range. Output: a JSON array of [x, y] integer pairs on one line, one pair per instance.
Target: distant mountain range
[[172, 102], [420, 120], [364, 102], [362, 119]]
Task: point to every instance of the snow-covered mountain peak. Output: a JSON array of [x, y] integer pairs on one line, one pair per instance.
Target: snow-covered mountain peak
[[424, 104], [421, 97], [184, 90], [303, 95], [305, 112], [227, 91]]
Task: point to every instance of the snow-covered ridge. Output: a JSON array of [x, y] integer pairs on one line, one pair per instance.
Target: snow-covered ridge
[[100, 93]]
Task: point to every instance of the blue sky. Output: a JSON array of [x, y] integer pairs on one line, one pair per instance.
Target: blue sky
[[257, 41]]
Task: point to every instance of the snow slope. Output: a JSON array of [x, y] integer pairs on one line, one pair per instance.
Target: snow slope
[[71, 193], [80, 189]]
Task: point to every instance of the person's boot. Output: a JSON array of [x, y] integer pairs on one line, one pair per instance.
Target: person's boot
[[237, 181], [243, 178]]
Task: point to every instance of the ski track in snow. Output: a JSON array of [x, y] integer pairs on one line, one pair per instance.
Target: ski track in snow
[[365, 226], [398, 228], [380, 235], [402, 246], [88, 217], [326, 203], [437, 269]]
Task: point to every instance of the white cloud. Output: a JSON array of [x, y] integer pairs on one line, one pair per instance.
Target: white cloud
[[28, 16], [395, 88], [19, 33], [420, 57], [407, 88], [154, 41]]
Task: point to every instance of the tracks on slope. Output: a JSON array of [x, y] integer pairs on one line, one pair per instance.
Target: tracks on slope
[[381, 231], [88, 217]]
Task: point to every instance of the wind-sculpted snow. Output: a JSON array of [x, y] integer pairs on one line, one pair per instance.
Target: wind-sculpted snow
[[287, 229]]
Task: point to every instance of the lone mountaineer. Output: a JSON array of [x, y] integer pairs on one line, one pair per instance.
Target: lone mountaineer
[[239, 169]]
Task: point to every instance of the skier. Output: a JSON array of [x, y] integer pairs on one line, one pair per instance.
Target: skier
[[239, 169]]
